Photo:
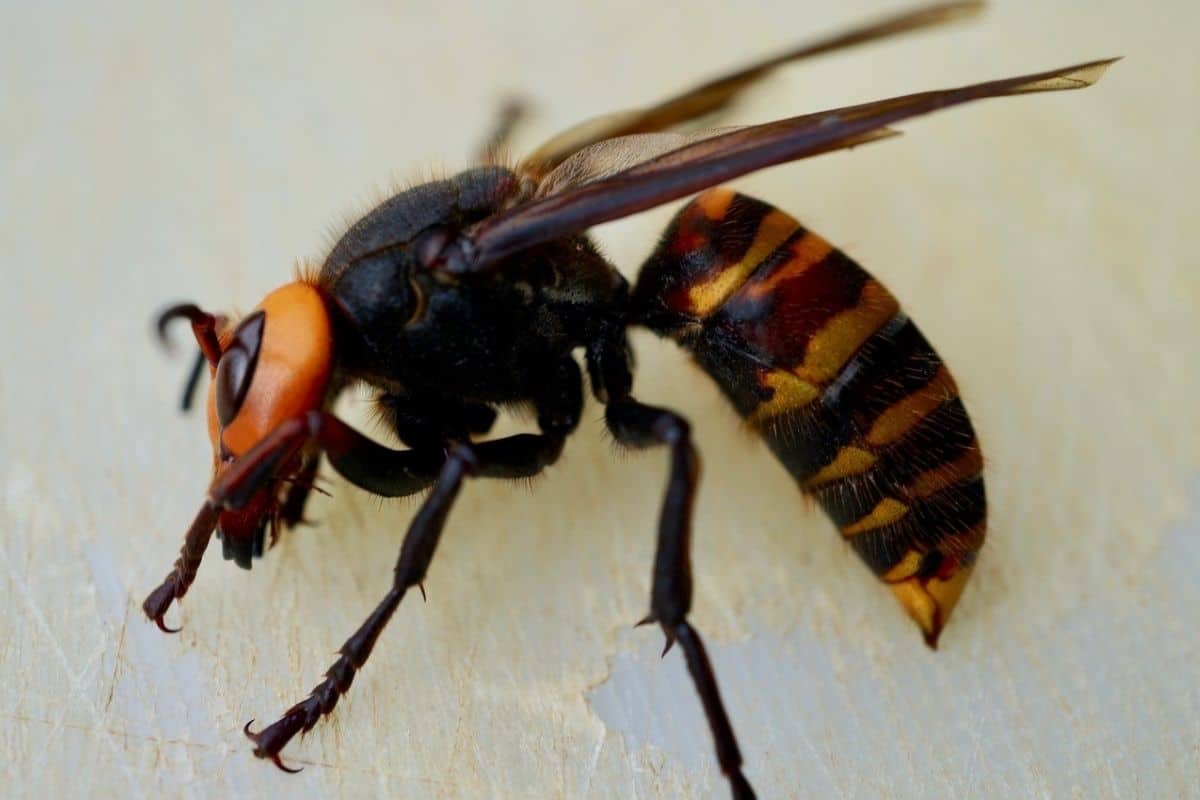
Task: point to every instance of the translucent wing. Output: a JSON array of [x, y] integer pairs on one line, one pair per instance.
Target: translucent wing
[[720, 92], [610, 157], [615, 179]]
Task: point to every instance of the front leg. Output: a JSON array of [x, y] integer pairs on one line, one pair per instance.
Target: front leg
[[638, 425], [291, 512], [371, 466]]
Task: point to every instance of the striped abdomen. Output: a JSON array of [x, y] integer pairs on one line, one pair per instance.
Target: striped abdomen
[[818, 357]]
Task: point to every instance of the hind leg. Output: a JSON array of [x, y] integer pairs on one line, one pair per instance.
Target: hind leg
[[637, 425]]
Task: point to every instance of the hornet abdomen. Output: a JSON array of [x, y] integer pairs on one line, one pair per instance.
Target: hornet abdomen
[[818, 357]]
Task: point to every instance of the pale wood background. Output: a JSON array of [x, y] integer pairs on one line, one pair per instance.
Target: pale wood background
[[154, 152]]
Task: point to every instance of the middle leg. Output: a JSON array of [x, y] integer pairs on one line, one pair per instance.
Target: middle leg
[[559, 404], [519, 456]]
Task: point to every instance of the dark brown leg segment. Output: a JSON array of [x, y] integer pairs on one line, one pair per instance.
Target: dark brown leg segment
[[372, 466], [291, 513], [415, 556], [517, 456], [180, 578], [638, 425]]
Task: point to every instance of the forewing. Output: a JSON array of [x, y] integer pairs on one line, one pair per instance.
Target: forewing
[[594, 193]]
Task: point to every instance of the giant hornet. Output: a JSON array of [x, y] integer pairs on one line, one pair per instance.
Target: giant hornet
[[460, 296]]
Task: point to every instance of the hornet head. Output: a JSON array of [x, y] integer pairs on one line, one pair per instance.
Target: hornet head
[[272, 366]]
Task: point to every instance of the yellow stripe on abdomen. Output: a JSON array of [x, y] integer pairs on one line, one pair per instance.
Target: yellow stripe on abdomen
[[833, 345], [907, 413], [773, 231], [850, 461], [886, 512]]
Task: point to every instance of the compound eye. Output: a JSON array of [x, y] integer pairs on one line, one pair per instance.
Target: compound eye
[[236, 367]]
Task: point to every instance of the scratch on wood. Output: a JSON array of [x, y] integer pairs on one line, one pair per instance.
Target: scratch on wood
[[593, 766], [74, 679], [109, 731], [112, 687]]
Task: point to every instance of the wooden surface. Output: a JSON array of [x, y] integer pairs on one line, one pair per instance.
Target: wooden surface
[[154, 152]]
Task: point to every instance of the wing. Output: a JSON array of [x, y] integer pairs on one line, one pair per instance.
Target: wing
[[573, 202], [614, 156], [720, 92]]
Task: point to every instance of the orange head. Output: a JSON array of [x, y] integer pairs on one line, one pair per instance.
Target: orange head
[[275, 365]]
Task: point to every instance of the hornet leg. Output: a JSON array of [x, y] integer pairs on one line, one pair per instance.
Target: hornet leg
[[638, 425], [514, 457], [371, 466], [517, 456], [291, 512]]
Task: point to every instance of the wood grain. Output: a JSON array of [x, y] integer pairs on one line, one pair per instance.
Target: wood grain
[[1045, 244]]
